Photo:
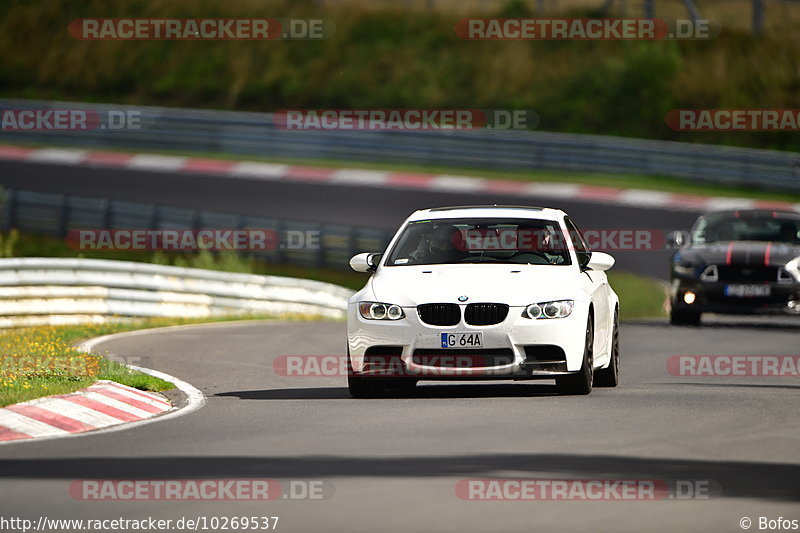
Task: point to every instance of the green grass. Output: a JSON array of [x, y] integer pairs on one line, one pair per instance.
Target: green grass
[[393, 57], [41, 361], [59, 367], [639, 297]]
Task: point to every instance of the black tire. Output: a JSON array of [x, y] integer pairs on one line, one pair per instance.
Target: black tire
[[609, 376], [364, 387], [401, 383], [682, 317], [580, 383]]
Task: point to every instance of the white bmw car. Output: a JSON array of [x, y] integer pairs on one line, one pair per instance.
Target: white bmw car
[[484, 292]]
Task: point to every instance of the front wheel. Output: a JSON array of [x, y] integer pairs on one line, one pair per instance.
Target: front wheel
[[609, 376], [364, 386], [580, 382]]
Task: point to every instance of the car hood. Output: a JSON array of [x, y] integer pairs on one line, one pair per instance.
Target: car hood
[[742, 253], [515, 285]]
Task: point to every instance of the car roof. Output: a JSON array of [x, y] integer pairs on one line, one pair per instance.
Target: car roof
[[753, 213], [488, 211]]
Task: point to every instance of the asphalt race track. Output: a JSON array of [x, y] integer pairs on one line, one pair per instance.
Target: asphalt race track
[[393, 464], [338, 204]]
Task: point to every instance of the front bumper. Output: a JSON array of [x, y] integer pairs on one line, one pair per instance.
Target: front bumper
[[517, 348], [712, 298]]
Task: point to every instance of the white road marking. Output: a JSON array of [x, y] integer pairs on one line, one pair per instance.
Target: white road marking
[[112, 402], [138, 396], [269, 171], [553, 190], [57, 155], [156, 162], [713, 204], [447, 182], [28, 426], [352, 176], [643, 197], [88, 416]]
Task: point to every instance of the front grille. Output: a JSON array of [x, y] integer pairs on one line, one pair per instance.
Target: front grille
[[747, 273], [463, 358], [485, 314], [439, 314]]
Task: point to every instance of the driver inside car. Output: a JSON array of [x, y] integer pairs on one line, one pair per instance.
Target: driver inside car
[[440, 245]]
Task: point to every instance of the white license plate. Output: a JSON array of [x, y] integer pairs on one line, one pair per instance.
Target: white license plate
[[462, 340], [747, 291]]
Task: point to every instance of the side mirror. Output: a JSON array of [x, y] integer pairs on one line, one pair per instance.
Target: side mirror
[[676, 239], [365, 262], [600, 261]]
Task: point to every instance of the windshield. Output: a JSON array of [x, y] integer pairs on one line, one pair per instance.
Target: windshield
[[520, 241], [729, 227]]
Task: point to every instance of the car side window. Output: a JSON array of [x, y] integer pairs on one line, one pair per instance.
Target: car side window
[[581, 248]]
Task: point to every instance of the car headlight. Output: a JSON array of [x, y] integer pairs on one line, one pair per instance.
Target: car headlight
[[683, 266], [687, 269], [793, 267], [380, 311], [554, 309]]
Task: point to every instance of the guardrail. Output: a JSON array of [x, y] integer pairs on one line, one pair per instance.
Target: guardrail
[[56, 214], [257, 134], [35, 291]]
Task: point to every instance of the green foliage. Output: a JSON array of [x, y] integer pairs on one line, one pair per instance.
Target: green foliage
[[396, 57], [8, 242], [629, 93]]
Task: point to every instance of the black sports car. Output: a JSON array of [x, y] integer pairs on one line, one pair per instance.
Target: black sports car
[[737, 262]]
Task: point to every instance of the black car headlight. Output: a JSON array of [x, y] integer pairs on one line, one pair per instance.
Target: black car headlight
[[793, 268], [687, 269]]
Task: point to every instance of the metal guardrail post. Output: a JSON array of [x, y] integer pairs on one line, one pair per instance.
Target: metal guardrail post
[[63, 215], [281, 230], [320, 251], [154, 217], [105, 206], [9, 208]]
